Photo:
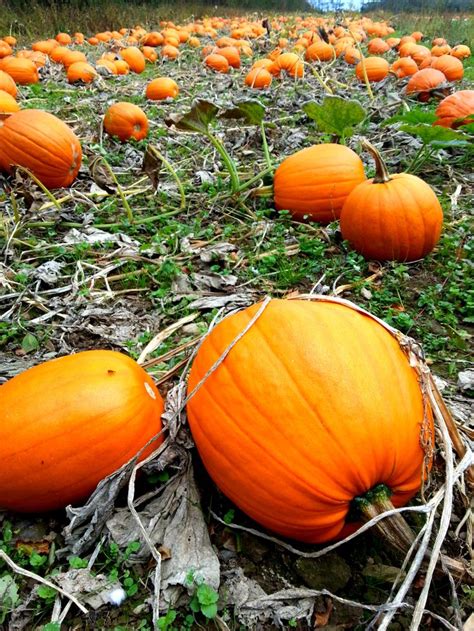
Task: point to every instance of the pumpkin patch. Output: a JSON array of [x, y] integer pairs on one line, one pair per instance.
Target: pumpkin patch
[[245, 237]]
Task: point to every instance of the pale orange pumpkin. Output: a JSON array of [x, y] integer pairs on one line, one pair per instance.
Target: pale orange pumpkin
[[68, 423]]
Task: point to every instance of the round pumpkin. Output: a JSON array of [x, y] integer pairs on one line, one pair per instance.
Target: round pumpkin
[[8, 105], [43, 144], [134, 58], [423, 82], [126, 120], [376, 69], [81, 71], [315, 181], [456, 109], [258, 78], [320, 51], [7, 84], [217, 62], [162, 88], [451, 67], [312, 407], [68, 423], [22, 71], [461, 51], [404, 67], [392, 217]]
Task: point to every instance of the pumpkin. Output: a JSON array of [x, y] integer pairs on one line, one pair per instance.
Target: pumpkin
[[217, 62], [43, 144], [121, 67], [420, 53], [461, 51], [315, 181], [162, 88], [437, 51], [376, 69], [320, 51], [72, 57], [404, 67], [68, 423], [456, 109], [231, 53], [7, 84], [258, 78], [312, 407], [153, 39], [81, 71], [5, 49], [126, 120], [22, 71], [150, 53], [424, 82], [169, 52], [352, 56], [391, 217], [450, 66], [134, 58], [109, 67], [378, 46], [8, 105], [64, 39]]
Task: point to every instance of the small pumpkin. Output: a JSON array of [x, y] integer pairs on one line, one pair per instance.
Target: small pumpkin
[[312, 406], [8, 105], [232, 54], [320, 51], [423, 82], [68, 423], [461, 51], [217, 62], [134, 58], [456, 109], [404, 67], [22, 71], [7, 84], [170, 52], [258, 78], [81, 71], [391, 217], [315, 181], [376, 69], [162, 88], [42, 143], [126, 120], [450, 66]]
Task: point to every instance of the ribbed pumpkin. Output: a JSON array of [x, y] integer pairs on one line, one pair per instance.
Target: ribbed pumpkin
[[8, 105], [7, 84], [42, 143], [312, 407], [404, 67], [134, 58], [392, 217], [258, 78], [315, 182], [68, 423], [455, 109], [451, 67], [376, 69], [320, 51], [162, 88], [22, 71], [424, 82], [217, 62], [126, 120]]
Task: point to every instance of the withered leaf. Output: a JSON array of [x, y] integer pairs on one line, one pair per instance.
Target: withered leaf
[[152, 165], [100, 174]]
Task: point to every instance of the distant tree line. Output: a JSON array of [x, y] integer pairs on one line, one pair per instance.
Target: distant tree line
[[432, 6]]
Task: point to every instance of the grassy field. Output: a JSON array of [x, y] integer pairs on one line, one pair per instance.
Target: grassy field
[[115, 259]]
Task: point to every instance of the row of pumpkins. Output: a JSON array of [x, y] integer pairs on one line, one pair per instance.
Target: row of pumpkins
[[129, 51], [313, 406], [389, 217]]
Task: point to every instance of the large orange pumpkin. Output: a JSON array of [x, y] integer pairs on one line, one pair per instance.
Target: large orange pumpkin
[[126, 120], [456, 109], [22, 71], [134, 58], [392, 217], [7, 84], [312, 407], [42, 143], [424, 82], [315, 182], [69, 422], [162, 88], [376, 69], [8, 105], [451, 67]]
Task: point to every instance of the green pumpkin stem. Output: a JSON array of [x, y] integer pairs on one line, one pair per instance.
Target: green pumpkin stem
[[382, 175], [396, 531]]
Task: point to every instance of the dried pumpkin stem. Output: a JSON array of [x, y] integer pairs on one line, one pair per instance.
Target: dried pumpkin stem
[[382, 175], [395, 530]]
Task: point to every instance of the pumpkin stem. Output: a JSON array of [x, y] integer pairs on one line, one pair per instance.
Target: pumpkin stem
[[382, 175], [395, 530]]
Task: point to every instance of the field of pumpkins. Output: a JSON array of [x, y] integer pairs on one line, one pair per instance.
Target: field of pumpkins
[[236, 300]]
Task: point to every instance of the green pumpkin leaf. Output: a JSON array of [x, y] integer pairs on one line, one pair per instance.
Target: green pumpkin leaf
[[412, 116], [8, 592], [336, 115], [252, 111], [198, 119], [210, 611], [437, 136], [29, 343]]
